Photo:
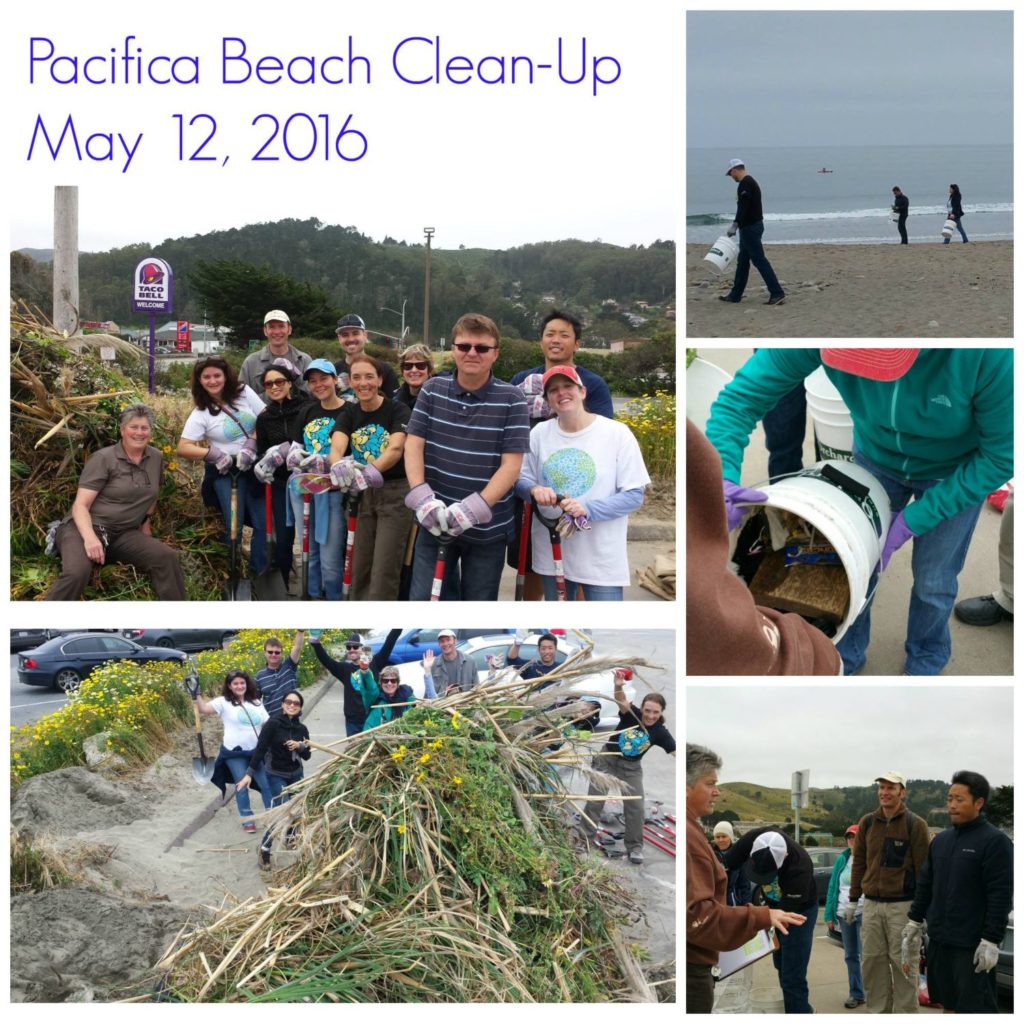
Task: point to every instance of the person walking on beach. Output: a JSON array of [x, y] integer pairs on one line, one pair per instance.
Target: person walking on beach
[[749, 223], [955, 211], [901, 207]]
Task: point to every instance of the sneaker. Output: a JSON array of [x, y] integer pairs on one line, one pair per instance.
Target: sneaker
[[981, 611], [636, 856], [727, 298], [264, 858], [775, 300], [852, 1003], [248, 826]]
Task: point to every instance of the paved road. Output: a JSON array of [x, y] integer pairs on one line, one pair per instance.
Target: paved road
[[31, 702]]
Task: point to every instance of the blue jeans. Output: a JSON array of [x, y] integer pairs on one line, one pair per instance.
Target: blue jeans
[[327, 557], [238, 765], [277, 797], [751, 251], [784, 429], [472, 572], [791, 959], [284, 535], [248, 514], [938, 556], [591, 591], [851, 946]]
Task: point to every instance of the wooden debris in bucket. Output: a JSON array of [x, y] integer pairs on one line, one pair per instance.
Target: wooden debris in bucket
[[818, 591]]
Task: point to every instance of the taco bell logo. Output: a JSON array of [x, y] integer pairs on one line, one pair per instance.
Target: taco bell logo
[[153, 286]]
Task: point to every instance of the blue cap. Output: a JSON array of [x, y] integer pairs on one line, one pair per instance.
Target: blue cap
[[323, 365]]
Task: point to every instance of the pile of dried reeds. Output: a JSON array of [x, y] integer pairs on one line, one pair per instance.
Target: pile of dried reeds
[[65, 402], [433, 860]]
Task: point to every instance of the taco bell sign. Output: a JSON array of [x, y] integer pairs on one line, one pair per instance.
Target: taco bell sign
[[153, 291]]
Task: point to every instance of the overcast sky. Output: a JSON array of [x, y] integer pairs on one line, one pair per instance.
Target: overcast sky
[[846, 735], [493, 165], [805, 78]]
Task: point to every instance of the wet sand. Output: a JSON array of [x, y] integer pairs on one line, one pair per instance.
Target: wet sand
[[924, 290]]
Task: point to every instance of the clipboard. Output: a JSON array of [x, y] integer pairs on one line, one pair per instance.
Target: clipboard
[[763, 943]]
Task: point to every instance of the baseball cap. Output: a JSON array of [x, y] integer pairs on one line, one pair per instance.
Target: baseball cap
[[724, 828], [900, 780], [883, 364], [734, 163], [276, 314], [323, 365], [766, 857], [446, 632], [350, 320], [282, 365], [560, 371], [355, 640], [852, 830]]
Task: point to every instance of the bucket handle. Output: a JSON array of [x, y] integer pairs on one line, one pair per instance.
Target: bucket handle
[[836, 477]]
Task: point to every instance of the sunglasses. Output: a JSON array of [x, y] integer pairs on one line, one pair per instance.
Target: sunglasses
[[353, 647], [465, 347], [269, 653], [389, 681], [415, 366], [275, 382]]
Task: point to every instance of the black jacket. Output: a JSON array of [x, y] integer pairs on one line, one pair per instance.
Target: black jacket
[[748, 203], [965, 890], [276, 424], [355, 711], [273, 735], [796, 876]]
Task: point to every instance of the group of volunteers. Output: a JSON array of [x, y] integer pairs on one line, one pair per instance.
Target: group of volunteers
[[892, 885], [448, 462], [265, 742], [935, 429]]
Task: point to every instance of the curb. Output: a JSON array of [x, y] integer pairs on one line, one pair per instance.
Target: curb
[[651, 531]]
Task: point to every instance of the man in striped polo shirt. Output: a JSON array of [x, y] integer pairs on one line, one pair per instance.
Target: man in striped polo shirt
[[463, 453]]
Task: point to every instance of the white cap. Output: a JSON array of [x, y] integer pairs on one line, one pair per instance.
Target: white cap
[[766, 856], [900, 780], [276, 314], [734, 163], [447, 632]]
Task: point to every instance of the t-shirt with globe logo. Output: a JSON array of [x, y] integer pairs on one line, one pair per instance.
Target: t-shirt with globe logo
[[369, 433], [229, 433]]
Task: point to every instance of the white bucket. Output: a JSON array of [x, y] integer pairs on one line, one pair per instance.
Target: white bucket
[[703, 382], [767, 1000], [894, 216], [948, 228], [850, 509], [722, 253], [833, 424]]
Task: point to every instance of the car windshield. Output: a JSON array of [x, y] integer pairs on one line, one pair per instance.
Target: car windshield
[[528, 652]]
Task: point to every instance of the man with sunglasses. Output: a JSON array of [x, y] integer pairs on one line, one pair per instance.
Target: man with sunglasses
[[352, 336], [463, 454], [278, 677], [277, 329], [355, 710]]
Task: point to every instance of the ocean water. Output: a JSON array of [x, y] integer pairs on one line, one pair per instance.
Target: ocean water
[[852, 204]]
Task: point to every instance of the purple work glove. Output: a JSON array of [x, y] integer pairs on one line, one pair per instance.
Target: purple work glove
[[343, 473], [367, 476], [246, 458], [471, 511], [221, 460], [735, 498], [898, 535], [431, 513], [315, 464], [272, 461], [293, 460]]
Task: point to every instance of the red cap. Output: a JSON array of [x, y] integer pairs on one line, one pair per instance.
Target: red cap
[[853, 829], [884, 364], [560, 371]]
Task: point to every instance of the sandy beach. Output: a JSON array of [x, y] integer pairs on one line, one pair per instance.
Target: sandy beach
[[927, 290]]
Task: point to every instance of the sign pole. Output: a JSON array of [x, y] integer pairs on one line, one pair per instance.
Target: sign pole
[[153, 293], [152, 352]]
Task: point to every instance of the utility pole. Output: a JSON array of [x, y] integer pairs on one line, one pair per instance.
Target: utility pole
[[65, 258], [429, 232]]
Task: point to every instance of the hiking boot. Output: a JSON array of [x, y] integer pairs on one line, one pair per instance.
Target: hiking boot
[[727, 298], [852, 1003], [981, 611]]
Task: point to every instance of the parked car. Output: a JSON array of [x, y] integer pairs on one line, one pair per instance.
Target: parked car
[[182, 639], [1004, 969], [823, 858], [496, 645], [414, 643], [23, 639], [65, 661]]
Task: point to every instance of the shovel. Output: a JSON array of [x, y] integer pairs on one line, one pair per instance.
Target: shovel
[[237, 589], [550, 525], [352, 510], [269, 584], [524, 543], [202, 766]]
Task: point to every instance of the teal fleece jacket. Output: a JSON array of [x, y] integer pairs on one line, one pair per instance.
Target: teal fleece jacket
[[949, 418]]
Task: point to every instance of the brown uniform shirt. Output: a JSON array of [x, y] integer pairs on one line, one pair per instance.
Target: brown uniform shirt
[[125, 491]]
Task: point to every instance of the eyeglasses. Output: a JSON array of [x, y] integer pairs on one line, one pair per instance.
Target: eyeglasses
[[291, 701], [415, 366], [276, 382], [465, 347]]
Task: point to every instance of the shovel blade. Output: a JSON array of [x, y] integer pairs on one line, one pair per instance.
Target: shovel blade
[[202, 769]]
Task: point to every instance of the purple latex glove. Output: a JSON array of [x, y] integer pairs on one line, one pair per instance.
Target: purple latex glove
[[898, 535], [221, 460], [471, 511], [735, 498], [430, 511]]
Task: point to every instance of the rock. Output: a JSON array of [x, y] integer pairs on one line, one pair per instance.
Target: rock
[[96, 752]]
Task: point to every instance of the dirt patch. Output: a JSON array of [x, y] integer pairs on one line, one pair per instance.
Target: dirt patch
[[659, 502], [78, 945]]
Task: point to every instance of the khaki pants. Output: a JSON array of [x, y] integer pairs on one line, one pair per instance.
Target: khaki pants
[[887, 988], [382, 529]]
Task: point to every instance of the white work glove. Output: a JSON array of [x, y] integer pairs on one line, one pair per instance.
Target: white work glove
[[367, 476], [294, 457], [315, 464], [986, 956], [272, 461], [521, 635], [431, 512], [221, 461], [850, 913], [344, 473], [910, 944], [471, 511], [246, 458]]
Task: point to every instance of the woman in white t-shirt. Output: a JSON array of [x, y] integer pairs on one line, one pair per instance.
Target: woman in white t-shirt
[[594, 465], [224, 418], [243, 715]]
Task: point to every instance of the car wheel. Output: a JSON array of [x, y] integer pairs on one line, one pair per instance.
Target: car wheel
[[68, 680], [164, 641]]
